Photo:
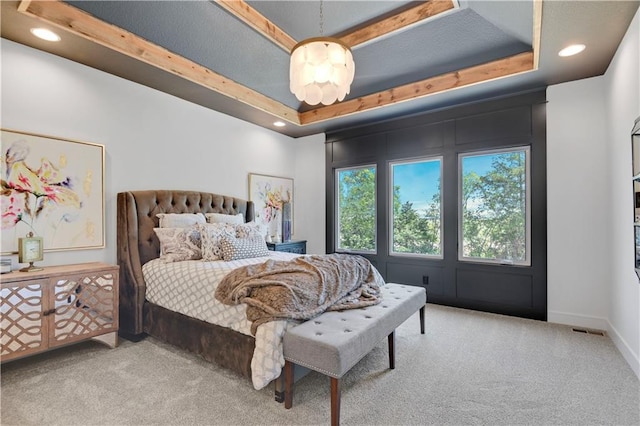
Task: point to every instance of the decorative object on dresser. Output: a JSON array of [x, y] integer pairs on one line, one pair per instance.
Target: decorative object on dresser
[[6, 265], [287, 218], [299, 246], [268, 193], [30, 250], [58, 306], [54, 188]]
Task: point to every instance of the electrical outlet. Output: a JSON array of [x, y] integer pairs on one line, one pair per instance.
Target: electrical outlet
[[425, 279]]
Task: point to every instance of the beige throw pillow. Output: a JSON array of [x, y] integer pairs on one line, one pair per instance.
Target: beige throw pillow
[[179, 244], [180, 220]]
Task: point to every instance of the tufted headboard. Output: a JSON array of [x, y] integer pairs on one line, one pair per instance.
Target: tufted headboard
[[137, 243]]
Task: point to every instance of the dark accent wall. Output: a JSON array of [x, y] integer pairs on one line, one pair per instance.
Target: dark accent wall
[[502, 123]]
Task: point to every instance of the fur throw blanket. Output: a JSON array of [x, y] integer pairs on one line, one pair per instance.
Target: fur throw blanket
[[301, 288]]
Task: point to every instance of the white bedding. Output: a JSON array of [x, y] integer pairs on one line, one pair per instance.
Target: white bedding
[[188, 287]]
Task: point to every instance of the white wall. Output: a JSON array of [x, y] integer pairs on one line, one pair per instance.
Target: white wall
[[623, 107], [152, 140], [577, 211], [310, 175], [591, 278]]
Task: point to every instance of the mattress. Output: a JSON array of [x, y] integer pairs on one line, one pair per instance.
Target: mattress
[[188, 287]]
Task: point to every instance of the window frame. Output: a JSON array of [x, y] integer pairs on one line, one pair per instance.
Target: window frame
[[528, 185], [336, 228], [390, 213]]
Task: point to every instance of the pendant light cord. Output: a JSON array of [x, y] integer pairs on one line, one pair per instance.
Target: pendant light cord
[[321, 20]]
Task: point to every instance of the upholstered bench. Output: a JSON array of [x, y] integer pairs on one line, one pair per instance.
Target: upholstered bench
[[335, 341]]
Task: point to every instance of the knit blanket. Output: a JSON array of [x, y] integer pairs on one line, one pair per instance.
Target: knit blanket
[[301, 288]]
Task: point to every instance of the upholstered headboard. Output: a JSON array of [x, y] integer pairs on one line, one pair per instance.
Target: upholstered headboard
[[137, 243]]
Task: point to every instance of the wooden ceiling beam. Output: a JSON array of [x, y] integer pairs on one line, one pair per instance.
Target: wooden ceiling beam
[[254, 19], [396, 22], [511, 65], [537, 31], [80, 23], [76, 21]]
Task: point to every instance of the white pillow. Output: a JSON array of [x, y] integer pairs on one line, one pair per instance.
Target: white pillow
[[180, 220], [243, 248], [178, 244], [225, 218], [211, 234]]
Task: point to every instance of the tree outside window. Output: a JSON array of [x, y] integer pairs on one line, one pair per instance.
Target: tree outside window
[[494, 207], [416, 214], [356, 224]]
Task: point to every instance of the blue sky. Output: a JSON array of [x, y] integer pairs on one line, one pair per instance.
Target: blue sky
[[419, 181], [480, 164]]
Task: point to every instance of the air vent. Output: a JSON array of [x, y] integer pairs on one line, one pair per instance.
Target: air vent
[[589, 331]]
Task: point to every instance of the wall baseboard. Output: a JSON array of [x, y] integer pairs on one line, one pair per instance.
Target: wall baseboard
[[578, 320], [595, 323], [627, 353]]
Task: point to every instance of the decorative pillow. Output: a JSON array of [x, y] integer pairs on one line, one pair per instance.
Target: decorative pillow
[[178, 244], [250, 229], [243, 248], [211, 234], [225, 218], [180, 220]]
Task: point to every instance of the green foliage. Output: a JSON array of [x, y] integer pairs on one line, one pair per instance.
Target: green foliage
[[357, 212], [494, 210], [417, 233], [414, 231]]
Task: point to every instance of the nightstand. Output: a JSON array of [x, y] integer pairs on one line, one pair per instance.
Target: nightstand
[[299, 246]]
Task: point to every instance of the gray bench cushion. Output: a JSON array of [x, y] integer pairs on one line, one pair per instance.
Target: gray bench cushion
[[334, 342]]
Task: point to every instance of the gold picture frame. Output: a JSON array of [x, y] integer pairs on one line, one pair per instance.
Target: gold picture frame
[[53, 187]]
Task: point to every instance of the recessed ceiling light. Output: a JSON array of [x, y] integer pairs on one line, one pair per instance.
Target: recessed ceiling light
[[279, 124], [574, 49], [45, 34]]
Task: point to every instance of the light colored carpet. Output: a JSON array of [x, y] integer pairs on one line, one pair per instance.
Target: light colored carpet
[[470, 368]]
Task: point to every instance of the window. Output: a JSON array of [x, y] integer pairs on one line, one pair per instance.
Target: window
[[416, 225], [356, 215], [494, 209]]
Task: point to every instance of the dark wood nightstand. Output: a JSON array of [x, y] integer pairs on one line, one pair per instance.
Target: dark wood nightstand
[[299, 246]]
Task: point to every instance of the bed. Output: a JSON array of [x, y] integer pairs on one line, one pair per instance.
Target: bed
[[137, 245]]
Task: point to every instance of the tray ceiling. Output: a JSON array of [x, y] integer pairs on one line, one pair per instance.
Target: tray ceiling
[[233, 56]]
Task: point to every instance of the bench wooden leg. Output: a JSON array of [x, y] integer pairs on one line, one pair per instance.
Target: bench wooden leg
[[335, 401], [392, 349], [422, 320], [288, 384]]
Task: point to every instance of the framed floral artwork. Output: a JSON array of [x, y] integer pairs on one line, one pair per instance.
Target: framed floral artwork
[[269, 193], [52, 187]]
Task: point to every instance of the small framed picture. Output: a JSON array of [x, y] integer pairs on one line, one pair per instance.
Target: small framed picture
[[269, 193]]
